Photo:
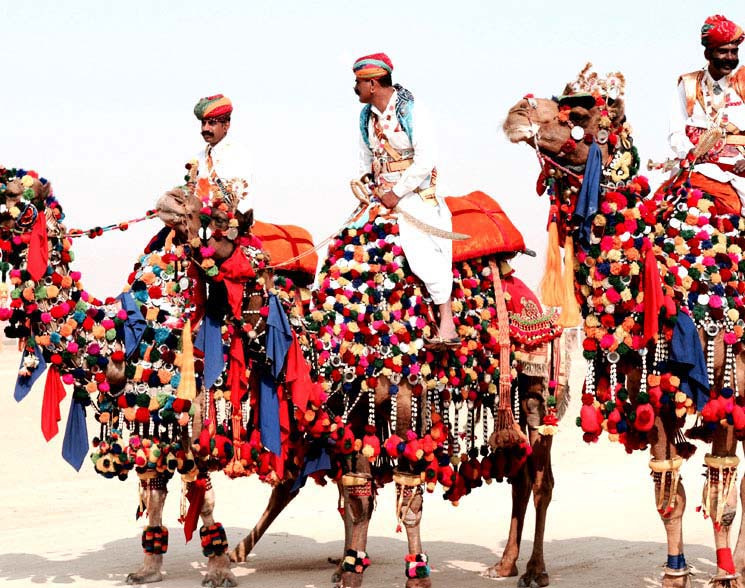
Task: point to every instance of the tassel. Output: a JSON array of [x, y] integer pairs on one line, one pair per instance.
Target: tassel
[[54, 392], [570, 316], [550, 287], [187, 386]]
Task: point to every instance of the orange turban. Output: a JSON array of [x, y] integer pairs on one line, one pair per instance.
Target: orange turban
[[213, 107], [372, 67], [718, 31]]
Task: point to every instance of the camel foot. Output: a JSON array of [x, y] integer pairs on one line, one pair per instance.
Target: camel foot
[[218, 573], [534, 580], [144, 577], [349, 580], [500, 570], [336, 576], [418, 583], [676, 581]]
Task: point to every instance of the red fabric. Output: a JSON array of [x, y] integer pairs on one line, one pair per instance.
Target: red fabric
[[38, 249], [725, 197], [297, 375], [198, 292], [653, 298], [491, 230], [719, 30], [236, 271], [237, 380], [285, 242], [724, 560], [54, 392], [195, 495]]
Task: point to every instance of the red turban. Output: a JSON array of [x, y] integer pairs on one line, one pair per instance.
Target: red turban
[[213, 107], [371, 67], [718, 31]]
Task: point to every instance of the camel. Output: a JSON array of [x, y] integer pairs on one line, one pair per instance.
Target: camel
[[132, 361], [659, 279], [399, 405]]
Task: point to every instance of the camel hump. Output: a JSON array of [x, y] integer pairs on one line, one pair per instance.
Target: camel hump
[[284, 244], [491, 230]]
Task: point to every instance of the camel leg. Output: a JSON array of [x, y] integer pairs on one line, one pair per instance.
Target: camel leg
[[357, 492], [739, 555], [151, 570], [214, 546], [670, 499], [281, 496], [720, 503], [409, 497], [543, 486]]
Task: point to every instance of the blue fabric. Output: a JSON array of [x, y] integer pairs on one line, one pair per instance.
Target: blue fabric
[[688, 362], [209, 342], [135, 324], [75, 445], [24, 383], [587, 201], [676, 562], [315, 463], [278, 341], [404, 109]]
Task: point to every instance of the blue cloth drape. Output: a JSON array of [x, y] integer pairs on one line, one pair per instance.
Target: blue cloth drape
[[209, 342], [587, 201], [24, 383]]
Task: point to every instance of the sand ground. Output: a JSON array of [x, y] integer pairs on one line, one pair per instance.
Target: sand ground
[[62, 527]]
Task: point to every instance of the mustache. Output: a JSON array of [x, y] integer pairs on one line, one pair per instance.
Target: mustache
[[356, 91], [207, 134], [730, 63]]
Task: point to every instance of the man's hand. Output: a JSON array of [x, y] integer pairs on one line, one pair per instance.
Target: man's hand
[[389, 199], [739, 167]]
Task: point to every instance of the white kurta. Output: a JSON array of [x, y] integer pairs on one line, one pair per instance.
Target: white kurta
[[430, 257], [734, 109], [231, 164]]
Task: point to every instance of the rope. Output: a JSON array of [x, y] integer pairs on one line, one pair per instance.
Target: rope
[[98, 231]]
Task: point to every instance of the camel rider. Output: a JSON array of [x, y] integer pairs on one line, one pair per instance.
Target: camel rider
[[707, 126], [397, 152], [222, 164]]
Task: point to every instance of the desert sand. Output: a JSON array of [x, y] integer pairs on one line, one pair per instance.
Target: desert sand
[[62, 527]]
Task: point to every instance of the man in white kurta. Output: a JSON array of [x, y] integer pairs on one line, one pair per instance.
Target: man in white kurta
[[397, 150], [709, 108], [223, 162]]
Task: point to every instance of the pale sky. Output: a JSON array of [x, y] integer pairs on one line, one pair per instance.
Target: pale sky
[[98, 97]]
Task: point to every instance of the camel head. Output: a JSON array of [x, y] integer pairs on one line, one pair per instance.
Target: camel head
[[591, 109], [180, 209]]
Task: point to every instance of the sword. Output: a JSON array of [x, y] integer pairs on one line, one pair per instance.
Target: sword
[[362, 193]]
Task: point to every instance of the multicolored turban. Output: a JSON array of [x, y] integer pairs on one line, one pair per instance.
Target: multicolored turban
[[372, 67], [718, 31], [213, 107]]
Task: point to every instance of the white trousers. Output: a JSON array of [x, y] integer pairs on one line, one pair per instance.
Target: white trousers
[[430, 257]]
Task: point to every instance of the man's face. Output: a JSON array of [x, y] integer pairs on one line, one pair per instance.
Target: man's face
[[723, 60], [364, 89], [213, 130]]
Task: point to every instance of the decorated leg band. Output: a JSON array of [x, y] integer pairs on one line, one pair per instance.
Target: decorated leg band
[[214, 539], [417, 565], [666, 476], [721, 478], [154, 483], [355, 561], [357, 485], [676, 565], [407, 486], [155, 540]]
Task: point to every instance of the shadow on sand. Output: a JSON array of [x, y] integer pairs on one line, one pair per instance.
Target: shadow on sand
[[284, 560]]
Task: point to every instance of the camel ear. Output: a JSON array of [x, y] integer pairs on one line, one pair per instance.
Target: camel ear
[[617, 110], [245, 221]]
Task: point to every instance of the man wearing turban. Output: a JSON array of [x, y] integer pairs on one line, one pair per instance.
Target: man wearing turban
[[707, 126], [222, 164], [397, 152]]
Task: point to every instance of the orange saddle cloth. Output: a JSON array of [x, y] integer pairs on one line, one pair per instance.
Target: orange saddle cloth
[[491, 230], [290, 248]]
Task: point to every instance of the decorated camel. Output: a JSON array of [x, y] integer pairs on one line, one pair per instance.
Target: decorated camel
[[415, 416], [166, 402], [659, 278]]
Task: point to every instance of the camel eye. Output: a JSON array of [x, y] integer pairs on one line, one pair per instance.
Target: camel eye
[[579, 117]]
